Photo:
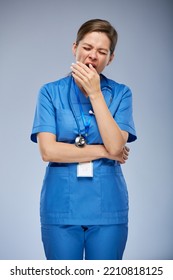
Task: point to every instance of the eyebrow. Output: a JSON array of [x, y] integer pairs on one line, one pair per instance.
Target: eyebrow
[[89, 45]]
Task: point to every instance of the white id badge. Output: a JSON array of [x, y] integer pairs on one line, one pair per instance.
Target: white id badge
[[85, 169]]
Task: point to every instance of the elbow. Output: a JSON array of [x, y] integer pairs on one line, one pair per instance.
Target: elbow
[[47, 146], [46, 155], [45, 158], [115, 151]]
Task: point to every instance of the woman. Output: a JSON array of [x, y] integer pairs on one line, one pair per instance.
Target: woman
[[82, 124]]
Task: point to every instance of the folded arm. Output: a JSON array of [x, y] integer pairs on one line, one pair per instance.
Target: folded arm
[[53, 151]]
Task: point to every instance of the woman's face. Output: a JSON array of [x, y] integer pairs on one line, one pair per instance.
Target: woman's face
[[94, 49]]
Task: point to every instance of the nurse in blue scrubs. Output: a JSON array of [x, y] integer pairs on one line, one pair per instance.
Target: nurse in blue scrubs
[[82, 124]]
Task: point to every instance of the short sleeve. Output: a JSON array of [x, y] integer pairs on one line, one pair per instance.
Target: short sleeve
[[124, 114], [44, 119]]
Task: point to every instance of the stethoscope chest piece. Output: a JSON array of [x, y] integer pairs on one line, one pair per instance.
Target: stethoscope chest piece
[[80, 141]]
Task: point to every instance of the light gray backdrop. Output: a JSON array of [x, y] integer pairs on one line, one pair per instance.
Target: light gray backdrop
[[36, 38]]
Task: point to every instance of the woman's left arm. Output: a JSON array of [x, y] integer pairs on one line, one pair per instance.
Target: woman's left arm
[[113, 137]]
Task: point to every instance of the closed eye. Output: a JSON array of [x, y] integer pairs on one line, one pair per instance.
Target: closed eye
[[102, 52], [87, 49]]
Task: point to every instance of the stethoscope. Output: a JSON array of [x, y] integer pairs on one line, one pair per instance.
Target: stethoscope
[[80, 140]]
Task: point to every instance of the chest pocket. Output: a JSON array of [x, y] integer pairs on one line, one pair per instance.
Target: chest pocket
[[67, 129], [66, 126]]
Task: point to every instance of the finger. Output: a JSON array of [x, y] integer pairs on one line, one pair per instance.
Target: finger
[[83, 66], [127, 148], [122, 161], [126, 151], [92, 68], [78, 72], [126, 154], [125, 157], [79, 80]]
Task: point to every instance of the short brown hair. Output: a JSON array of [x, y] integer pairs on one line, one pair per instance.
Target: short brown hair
[[98, 25]]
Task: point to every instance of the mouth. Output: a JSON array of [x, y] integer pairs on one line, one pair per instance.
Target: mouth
[[87, 64]]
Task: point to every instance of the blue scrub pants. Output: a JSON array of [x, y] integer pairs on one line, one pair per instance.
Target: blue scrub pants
[[75, 242]]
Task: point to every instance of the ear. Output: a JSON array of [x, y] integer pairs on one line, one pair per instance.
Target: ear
[[74, 48], [110, 59]]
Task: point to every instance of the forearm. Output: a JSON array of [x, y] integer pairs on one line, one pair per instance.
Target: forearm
[[53, 151], [110, 132], [69, 153]]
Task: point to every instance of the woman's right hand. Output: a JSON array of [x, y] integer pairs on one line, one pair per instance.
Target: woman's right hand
[[122, 157]]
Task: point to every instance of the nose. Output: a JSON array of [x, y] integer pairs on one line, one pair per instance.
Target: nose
[[93, 54]]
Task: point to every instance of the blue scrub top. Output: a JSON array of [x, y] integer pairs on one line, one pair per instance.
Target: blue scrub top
[[66, 198]]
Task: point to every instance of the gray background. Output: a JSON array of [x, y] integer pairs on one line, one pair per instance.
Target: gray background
[[36, 38]]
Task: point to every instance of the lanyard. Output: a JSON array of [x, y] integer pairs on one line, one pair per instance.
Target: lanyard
[[86, 122]]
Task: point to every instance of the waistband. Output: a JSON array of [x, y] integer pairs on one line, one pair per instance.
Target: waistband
[[102, 168]]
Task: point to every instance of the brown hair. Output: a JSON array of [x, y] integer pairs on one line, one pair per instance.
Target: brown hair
[[98, 25]]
